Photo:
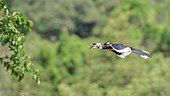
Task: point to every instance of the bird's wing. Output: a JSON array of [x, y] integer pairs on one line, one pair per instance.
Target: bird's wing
[[121, 48]]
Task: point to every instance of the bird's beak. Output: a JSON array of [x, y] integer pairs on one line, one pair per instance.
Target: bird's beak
[[92, 47], [97, 45]]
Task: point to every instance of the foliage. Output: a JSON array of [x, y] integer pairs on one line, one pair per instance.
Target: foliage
[[69, 68], [75, 15], [13, 27], [165, 41]]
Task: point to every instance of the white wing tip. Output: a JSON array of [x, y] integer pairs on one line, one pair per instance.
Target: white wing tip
[[144, 56]]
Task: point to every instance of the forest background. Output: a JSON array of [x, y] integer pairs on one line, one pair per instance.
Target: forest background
[[63, 31]]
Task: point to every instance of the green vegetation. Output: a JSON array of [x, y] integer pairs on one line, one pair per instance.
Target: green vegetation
[[63, 32], [13, 27]]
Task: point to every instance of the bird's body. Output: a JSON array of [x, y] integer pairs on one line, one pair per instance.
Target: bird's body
[[121, 50]]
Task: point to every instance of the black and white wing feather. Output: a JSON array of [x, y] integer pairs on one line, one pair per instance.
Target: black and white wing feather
[[141, 53]]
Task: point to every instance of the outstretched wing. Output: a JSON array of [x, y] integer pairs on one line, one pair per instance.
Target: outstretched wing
[[141, 53], [119, 46], [121, 50]]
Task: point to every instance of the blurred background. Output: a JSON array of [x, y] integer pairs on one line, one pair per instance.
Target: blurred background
[[64, 30]]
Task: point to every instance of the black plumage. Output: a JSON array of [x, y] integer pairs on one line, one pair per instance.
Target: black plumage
[[119, 46]]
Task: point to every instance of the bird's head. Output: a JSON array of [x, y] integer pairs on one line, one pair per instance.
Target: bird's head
[[96, 45], [101, 45]]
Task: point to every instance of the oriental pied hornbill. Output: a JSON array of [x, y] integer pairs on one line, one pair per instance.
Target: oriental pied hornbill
[[121, 50]]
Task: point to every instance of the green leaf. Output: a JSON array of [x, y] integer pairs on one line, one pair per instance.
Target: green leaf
[[13, 27]]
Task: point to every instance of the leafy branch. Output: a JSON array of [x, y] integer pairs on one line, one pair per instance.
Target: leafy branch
[[13, 26]]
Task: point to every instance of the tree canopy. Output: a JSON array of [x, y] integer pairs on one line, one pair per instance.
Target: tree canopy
[[13, 27]]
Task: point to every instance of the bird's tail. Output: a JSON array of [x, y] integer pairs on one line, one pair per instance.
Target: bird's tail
[[141, 53]]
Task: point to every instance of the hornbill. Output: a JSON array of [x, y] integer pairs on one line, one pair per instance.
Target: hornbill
[[121, 50]]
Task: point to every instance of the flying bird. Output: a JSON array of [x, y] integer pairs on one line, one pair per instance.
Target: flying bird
[[121, 50]]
